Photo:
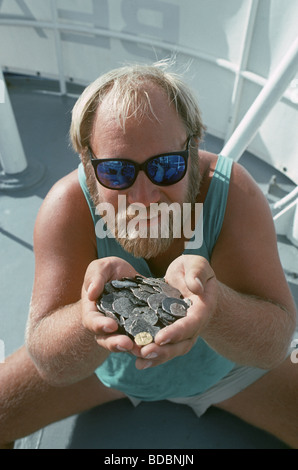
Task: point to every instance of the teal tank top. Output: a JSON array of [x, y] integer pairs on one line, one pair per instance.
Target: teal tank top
[[201, 367]]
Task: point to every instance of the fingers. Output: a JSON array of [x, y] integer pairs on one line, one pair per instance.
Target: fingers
[[106, 333], [193, 282], [176, 339], [100, 272], [105, 329], [195, 279], [117, 343], [103, 270], [188, 327], [98, 323], [197, 274], [153, 355], [191, 274]]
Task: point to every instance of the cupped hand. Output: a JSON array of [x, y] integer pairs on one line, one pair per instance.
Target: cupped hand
[[98, 273], [196, 280]]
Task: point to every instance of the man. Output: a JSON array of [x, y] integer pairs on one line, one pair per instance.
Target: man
[[231, 349]]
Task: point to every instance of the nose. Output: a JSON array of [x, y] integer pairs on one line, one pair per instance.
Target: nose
[[143, 191]]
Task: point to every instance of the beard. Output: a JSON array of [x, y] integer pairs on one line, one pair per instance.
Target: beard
[[136, 234], [147, 234]]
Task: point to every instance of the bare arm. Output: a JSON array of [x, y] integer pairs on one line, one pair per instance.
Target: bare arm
[[62, 349], [246, 311], [255, 316], [250, 330], [63, 322]]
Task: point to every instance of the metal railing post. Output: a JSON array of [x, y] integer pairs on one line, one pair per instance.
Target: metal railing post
[[285, 211], [259, 110], [12, 155]]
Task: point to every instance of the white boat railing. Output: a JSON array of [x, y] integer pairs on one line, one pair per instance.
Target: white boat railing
[[15, 173], [272, 92], [285, 211], [12, 155]]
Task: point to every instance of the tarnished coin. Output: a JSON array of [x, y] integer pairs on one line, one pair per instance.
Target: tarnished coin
[[106, 303], [109, 289], [178, 310], [113, 316], [129, 295], [131, 322], [147, 314], [152, 281], [170, 291], [168, 301], [136, 324], [123, 306], [140, 294], [164, 317], [188, 302], [155, 300], [143, 338], [123, 284], [148, 288]]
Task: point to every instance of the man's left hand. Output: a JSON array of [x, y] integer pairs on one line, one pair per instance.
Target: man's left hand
[[196, 280]]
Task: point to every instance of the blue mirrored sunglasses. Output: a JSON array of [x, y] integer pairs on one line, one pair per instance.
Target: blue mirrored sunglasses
[[163, 170]]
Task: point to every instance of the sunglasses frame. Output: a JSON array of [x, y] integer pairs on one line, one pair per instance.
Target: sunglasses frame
[[140, 166]]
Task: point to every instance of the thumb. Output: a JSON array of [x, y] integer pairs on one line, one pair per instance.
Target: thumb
[[197, 273]]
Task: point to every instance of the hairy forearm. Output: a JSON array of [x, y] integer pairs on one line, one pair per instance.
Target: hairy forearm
[[62, 349], [249, 330]]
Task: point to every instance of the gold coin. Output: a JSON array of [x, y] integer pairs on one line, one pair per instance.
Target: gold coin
[[143, 338]]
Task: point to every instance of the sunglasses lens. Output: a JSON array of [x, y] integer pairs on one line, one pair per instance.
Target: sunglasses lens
[[162, 170], [166, 170], [115, 174]]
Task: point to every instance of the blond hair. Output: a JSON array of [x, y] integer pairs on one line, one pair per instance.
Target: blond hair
[[127, 85]]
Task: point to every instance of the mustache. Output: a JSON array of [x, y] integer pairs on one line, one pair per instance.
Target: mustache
[[145, 213], [137, 220]]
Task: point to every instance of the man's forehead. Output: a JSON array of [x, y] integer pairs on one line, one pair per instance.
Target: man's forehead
[[152, 116], [148, 99]]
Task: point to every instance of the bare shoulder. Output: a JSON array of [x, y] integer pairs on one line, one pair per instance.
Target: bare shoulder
[[64, 244], [63, 191], [248, 220], [208, 162], [246, 255], [248, 206], [64, 207]]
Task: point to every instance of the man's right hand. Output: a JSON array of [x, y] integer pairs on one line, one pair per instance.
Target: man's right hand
[[98, 273]]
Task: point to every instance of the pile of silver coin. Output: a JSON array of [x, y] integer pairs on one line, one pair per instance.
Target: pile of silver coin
[[142, 306]]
